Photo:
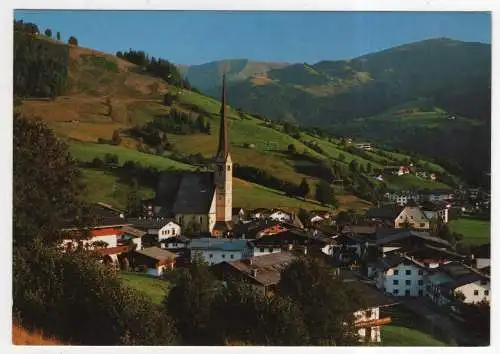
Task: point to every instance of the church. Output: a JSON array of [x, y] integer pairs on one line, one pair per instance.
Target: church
[[201, 201]]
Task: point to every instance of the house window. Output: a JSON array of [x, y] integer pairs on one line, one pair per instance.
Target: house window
[[486, 292], [422, 224], [396, 272], [262, 250], [421, 282], [411, 217], [210, 255], [270, 249], [228, 168], [420, 272], [408, 272], [407, 293], [395, 291], [173, 231], [201, 219], [420, 293], [476, 292], [168, 232], [232, 256], [395, 282], [483, 282], [223, 256], [219, 168], [408, 282]]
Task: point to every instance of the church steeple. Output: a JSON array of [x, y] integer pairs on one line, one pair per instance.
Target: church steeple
[[223, 149], [224, 166]]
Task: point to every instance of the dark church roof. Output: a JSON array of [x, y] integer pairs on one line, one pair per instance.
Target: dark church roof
[[185, 192]]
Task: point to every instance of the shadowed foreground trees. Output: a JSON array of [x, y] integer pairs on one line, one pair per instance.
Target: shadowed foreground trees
[[46, 184]]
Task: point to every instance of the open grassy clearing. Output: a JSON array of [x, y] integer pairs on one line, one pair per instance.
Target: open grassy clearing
[[154, 288], [87, 151], [407, 329], [397, 336], [412, 182], [475, 232], [104, 187]]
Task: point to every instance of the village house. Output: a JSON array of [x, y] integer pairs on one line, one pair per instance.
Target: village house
[[153, 260], [400, 170], [238, 215], [214, 251], [383, 216], [367, 320], [281, 215], [413, 217], [131, 235], [260, 213], [457, 282], [364, 146], [436, 195], [404, 240], [262, 272], [104, 234], [318, 216], [436, 210], [400, 276], [402, 198], [258, 228], [482, 256], [157, 228]]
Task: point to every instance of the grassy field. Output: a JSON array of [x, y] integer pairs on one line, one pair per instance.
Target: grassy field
[[251, 196], [475, 231], [103, 187], [407, 329], [155, 288], [411, 181], [87, 151], [396, 336]]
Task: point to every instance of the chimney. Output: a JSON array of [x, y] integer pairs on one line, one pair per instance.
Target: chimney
[[254, 272]]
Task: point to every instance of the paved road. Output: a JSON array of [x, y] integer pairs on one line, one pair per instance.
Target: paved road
[[423, 307]]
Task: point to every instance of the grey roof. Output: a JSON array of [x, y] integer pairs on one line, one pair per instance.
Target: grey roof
[[389, 212], [156, 253], [371, 296], [363, 230], [385, 236], [393, 259], [268, 267], [178, 238], [132, 231], [225, 244], [185, 192], [105, 216]]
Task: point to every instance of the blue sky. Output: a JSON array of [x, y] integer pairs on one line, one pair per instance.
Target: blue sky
[[195, 37]]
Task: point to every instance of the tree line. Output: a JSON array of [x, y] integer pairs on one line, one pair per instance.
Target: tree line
[[159, 67]]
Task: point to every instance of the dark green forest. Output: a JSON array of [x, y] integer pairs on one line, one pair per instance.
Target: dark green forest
[[40, 66]]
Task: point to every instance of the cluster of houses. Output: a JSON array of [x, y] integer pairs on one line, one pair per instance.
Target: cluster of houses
[[390, 252]]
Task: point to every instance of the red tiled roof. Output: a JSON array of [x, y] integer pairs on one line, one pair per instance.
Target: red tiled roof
[[111, 250], [105, 232]]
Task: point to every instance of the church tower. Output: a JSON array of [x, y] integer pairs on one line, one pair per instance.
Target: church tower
[[224, 166]]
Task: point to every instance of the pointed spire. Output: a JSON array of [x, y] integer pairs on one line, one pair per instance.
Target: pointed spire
[[223, 149]]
